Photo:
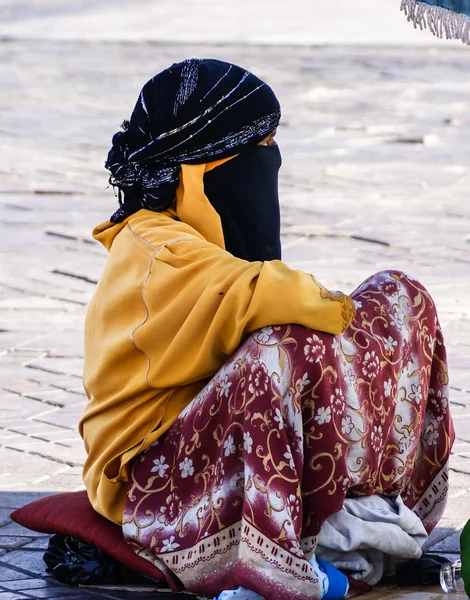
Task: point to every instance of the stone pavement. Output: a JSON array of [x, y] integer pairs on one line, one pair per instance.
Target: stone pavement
[[376, 175], [296, 22]]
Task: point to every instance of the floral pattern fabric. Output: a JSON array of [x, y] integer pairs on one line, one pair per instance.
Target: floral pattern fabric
[[238, 489]]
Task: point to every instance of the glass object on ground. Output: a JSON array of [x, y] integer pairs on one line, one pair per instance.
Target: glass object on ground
[[451, 578]]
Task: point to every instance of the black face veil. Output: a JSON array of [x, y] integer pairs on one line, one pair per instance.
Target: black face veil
[[244, 191], [195, 112]]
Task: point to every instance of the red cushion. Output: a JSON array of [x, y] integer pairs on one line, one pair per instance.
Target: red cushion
[[71, 514]]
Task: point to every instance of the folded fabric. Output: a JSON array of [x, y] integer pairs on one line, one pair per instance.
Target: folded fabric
[[444, 18], [370, 536], [334, 583]]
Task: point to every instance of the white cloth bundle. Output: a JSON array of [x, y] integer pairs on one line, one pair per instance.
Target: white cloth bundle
[[370, 537]]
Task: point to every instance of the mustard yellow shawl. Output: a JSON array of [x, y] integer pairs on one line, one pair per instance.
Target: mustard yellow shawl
[[170, 307]]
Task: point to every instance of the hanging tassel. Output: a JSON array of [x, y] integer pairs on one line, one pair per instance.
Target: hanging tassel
[[440, 21]]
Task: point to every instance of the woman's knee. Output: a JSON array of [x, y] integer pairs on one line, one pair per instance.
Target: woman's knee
[[392, 283]]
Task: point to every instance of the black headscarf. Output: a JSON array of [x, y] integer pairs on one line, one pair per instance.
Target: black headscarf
[[198, 111]]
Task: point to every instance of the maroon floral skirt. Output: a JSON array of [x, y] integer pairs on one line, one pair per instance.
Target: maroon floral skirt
[[296, 420]]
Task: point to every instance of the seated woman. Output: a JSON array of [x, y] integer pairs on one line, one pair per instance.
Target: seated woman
[[238, 410]]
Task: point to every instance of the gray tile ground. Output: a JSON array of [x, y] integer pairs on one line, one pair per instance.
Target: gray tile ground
[[212, 21], [376, 175]]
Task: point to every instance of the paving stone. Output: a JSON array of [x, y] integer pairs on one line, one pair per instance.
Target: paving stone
[[72, 456], [456, 513], [28, 584], [35, 303], [62, 481], [66, 366], [80, 596], [40, 375], [37, 544], [18, 408], [25, 387], [34, 469], [461, 466], [6, 435], [438, 534], [56, 397], [39, 430], [30, 561], [14, 530], [14, 500], [8, 574], [9, 542], [57, 592], [4, 516], [59, 435], [72, 384], [131, 595], [67, 417], [449, 544]]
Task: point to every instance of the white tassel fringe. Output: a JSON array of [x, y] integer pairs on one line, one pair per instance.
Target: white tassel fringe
[[440, 21]]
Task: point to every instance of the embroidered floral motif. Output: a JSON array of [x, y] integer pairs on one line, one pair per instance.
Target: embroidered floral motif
[[224, 386], [336, 347], [438, 404], [293, 507], [431, 435], [370, 366], [288, 457], [396, 318], [407, 440], [431, 343], [390, 287], [229, 446], [258, 379], [416, 393], [315, 349], [278, 418], [303, 383], [390, 344], [170, 510], [323, 415], [160, 466], [186, 468], [376, 438], [337, 401], [219, 474], [264, 334], [247, 442], [169, 545], [347, 425]]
